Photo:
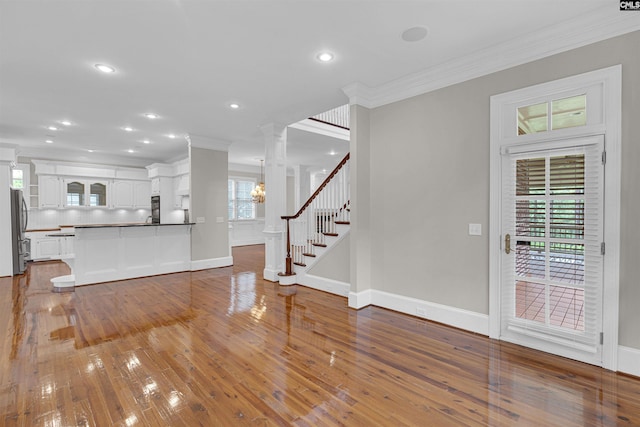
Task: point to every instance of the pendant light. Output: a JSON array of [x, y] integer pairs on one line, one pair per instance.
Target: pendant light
[[258, 194]]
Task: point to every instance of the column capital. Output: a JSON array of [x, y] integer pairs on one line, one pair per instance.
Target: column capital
[[273, 129]]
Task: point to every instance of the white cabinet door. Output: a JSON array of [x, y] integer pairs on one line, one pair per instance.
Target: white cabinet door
[[181, 185], [122, 194], [155, 186], [142, 194], [67, 246], [49, 194], [49, 247]]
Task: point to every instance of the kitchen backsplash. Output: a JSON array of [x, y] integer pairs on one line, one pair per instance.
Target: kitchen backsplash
[[49, 218]]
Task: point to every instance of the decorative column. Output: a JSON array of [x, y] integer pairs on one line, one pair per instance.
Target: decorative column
[[275, 137]]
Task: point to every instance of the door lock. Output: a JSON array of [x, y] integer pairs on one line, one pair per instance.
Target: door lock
[[507, 244]]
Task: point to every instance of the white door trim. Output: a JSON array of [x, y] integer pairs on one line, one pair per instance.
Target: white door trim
[[604, 86]]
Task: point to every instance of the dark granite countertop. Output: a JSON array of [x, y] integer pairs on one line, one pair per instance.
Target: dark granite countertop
[[130, 224]]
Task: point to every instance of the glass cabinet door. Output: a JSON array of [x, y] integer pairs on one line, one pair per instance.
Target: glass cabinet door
[[98, 194], [75, 194]]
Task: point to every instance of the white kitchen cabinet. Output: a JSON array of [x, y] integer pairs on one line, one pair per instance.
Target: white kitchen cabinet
[[181, 185], [83, 192], [43, 246], [49, 192], [142, 194], [131, 194], [155, 186], [122, 194], [66, 246]]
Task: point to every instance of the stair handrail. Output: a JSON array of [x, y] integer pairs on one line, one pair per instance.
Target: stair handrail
[[315, 194], [288, 259]]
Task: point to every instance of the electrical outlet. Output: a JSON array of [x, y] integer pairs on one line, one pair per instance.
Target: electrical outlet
[[200, 220], [421, 312]]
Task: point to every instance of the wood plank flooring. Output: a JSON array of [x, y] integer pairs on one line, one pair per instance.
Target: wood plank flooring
[[223, 347]]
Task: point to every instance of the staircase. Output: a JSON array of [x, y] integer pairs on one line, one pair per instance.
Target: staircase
[[319, 224]]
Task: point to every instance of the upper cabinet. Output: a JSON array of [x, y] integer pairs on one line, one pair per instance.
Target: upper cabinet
[[131, 194], [49, 193], [89, 193], [70, 185]]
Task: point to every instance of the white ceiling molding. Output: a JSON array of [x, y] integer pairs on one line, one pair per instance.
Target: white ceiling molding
[[199, 141], [586, 29]]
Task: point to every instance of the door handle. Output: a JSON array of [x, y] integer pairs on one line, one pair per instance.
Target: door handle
[[507, 244]]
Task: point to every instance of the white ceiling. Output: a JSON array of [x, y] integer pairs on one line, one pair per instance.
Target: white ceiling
[[187, 60]]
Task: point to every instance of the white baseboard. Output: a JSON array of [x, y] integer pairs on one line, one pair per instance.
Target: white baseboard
[[203, 264], [360, 300], [629, 360], [452, 316], [323, 284], [271, 275], [247, 242]]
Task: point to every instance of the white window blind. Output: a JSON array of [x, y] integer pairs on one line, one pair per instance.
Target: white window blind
[[553, 276]]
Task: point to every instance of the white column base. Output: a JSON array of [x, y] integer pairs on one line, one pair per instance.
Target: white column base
[[274, 255], [271, 275], [288, 280]]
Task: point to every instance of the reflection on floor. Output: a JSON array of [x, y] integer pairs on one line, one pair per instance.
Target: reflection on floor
[[223, 347]]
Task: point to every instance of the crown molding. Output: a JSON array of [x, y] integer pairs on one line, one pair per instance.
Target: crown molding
[[601, 24], [200, 141]]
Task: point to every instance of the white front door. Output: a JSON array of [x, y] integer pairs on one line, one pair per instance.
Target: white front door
[[551, 285]]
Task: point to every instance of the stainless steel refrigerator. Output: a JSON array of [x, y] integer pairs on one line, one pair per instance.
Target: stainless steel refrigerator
[[19, 242]]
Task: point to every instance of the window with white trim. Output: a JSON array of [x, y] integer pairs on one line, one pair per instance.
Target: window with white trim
[[240, 204]]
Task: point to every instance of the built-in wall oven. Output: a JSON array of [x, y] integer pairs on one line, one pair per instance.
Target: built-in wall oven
[[155, 209]]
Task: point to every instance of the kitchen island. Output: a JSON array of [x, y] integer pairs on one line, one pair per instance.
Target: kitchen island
[[108, 252]]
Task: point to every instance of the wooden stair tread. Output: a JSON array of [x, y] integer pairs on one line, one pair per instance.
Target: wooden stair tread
[[343, 222], [321, 245], [331, 234], [300, 264], [311, 255]]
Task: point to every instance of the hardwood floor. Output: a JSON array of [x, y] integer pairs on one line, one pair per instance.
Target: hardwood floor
[[223, 347]]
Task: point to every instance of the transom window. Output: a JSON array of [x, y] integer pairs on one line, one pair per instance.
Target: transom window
[[240, 203], [557, 114]]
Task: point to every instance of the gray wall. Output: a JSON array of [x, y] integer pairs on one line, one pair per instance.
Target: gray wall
[[335, 264], [429, 160], [209, 199]]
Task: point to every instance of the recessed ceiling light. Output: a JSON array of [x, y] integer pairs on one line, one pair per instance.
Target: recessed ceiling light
[[105, 68], [49, 141], [146, 141], [151, 116], [66, 122], [91, 151], [332, 153], [52, 128], [172, 136], [130, 151], [128, 128], [234, 106], [414, 34], [325, 56]]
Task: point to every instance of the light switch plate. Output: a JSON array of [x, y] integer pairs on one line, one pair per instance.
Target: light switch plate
[[475, 229], [219, 219], [200, 220]]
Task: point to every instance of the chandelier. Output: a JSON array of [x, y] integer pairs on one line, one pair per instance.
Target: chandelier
[[258, 194]]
